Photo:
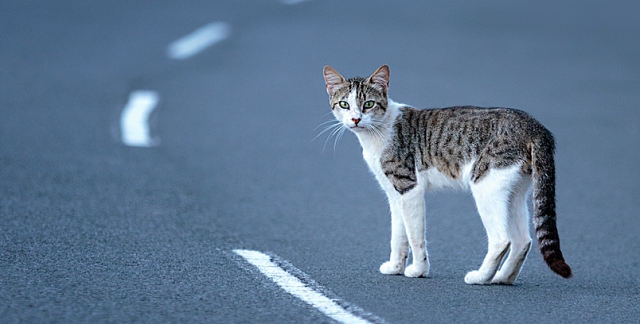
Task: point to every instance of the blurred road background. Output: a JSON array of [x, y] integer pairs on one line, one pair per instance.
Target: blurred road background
[[92, 230]]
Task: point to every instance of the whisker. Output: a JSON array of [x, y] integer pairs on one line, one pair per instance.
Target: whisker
[[337, 124], [327, 128], [337, 139], [331, 112], [326, 122], [378, 131], [335, 131]]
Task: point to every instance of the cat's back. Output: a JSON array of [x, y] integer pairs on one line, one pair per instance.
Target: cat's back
[[463, 116], [461, 125], [448, 138]]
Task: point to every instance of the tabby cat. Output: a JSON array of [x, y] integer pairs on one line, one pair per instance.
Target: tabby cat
[[497, 153]]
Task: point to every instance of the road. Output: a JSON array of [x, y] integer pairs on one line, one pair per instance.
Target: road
[[92, 230]]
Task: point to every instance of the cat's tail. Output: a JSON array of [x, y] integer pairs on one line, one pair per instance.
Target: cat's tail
[[544, 203]]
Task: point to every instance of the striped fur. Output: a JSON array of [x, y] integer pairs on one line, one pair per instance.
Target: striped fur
[[497, 153]]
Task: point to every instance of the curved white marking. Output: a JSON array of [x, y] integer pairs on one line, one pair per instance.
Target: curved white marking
[[198, 40], [297, 288], [134, 125], [292, 2]]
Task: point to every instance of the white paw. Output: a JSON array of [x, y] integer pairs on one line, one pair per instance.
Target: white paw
[[390, 268], [417, 270], [476, 278], [501, 279]]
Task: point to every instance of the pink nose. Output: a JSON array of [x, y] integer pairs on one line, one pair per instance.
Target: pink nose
[[356, 120]]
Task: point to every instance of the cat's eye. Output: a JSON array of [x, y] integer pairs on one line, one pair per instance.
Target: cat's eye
[[344, 105], [369, 104]]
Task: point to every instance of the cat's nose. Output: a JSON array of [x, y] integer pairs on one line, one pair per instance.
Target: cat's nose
[[356, 120]]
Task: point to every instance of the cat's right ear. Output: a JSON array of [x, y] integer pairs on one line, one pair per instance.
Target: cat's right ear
[[333, 79]]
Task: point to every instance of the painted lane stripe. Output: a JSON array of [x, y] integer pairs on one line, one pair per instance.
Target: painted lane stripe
[[134, 124], [198, 40], [292, 2], [308, 291]]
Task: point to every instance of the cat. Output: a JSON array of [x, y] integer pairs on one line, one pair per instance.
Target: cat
[[498, 154]]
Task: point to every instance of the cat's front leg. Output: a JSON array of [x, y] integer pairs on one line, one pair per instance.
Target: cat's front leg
[[399, 242], [413, 210]]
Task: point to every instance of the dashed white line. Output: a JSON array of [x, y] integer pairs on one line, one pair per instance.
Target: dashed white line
[[134, 126], [309, 293], [198, 40], [292, 2]]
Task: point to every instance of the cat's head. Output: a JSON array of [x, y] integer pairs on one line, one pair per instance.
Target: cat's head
[[359, 104]]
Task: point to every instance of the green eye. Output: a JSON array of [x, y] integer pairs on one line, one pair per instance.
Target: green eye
[[344, 105], [369, 104]]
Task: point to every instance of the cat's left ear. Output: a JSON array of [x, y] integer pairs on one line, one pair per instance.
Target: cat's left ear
[[381, 78], [333, 79]]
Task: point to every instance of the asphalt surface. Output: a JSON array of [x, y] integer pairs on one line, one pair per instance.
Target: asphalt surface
[[94, 231]]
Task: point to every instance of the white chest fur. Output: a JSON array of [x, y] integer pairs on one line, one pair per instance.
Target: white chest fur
[[430, 179], [372, 154]]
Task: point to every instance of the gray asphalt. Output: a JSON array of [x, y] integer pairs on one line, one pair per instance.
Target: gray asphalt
[[95, 231]]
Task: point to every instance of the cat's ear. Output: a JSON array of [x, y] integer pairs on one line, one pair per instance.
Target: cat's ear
[[333, 79], [381, 78]]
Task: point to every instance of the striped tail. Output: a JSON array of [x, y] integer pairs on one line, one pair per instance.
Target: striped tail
[[544, 204]]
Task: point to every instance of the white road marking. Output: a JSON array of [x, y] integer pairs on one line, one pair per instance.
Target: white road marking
[[198, 40], [309, 293], [292, 2], [134, 124]]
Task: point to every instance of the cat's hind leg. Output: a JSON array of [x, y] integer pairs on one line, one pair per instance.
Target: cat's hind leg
[[518, 234], [413, 215], [399, 241], [492, 194]]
